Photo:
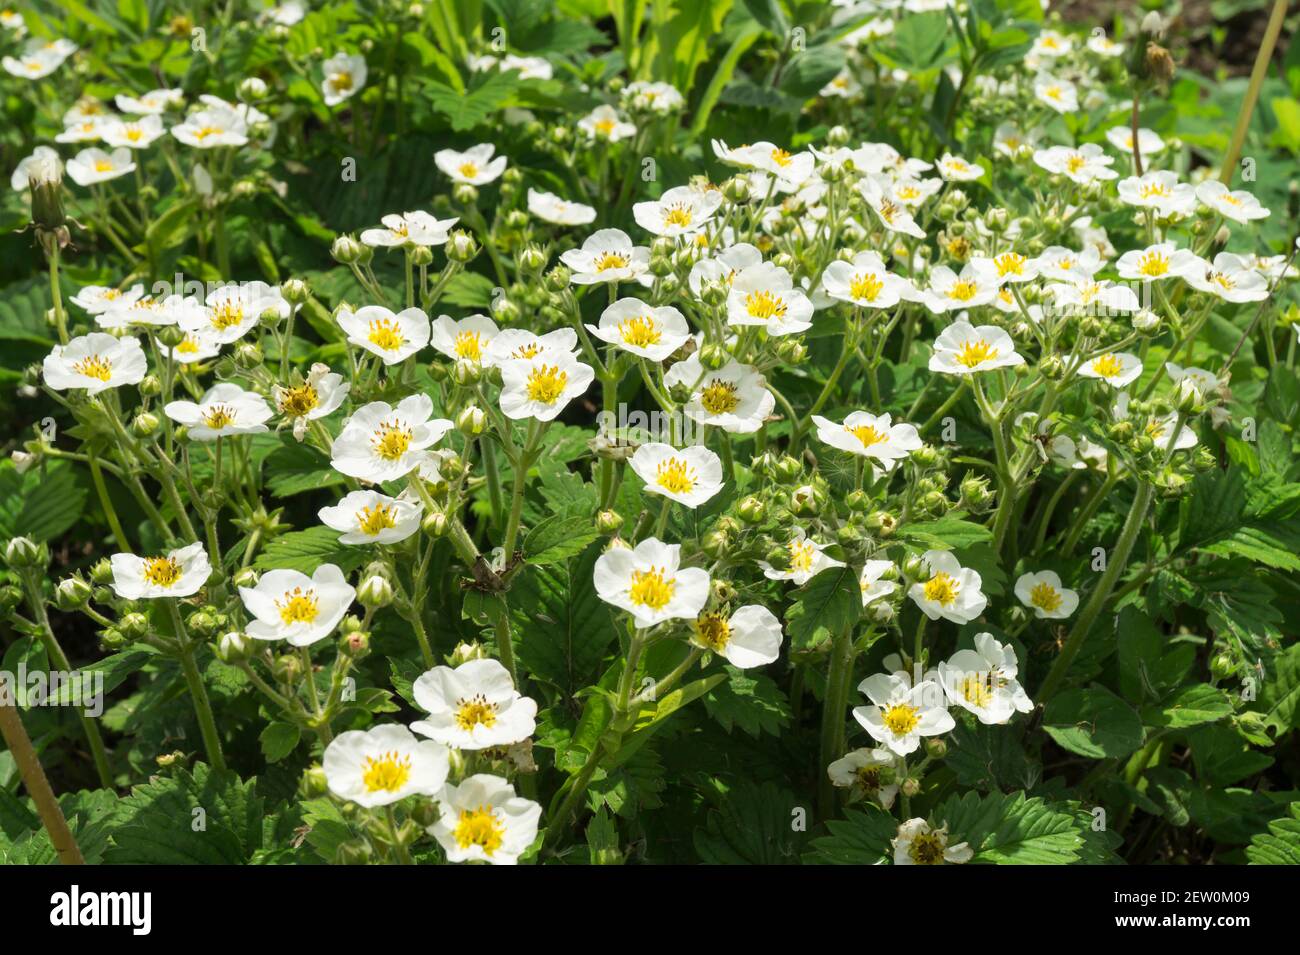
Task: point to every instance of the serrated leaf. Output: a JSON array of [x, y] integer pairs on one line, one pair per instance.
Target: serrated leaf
[[467, 109], [558, 538], [1189, 706], [828, 604], [41, 503], [1012, 830], [306, 550], [296, 468], [752, 825], [862, 837], [1281, 844], [279, 740], [750, 701], [1093, 722]]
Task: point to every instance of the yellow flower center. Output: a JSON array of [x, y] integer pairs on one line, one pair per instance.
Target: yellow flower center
[[781, 157], [641, 331], [1045, 597], [907, 193], [479, 827], [297, 402], [719, 397], [650, 589], [1155, 429], [162, 571], [604, 126], [1053, 93], [103, 165], [391, 440], [676, 476], [802, 553], [901, 718], [963, 291], [1075, 163], [134, 133], [372, 520], [298, 606], [942, 588], [926, 849], [469, 345], [1153, 263], [95, 366], [468, 169], [1010, 263], [227, 314], [385, 333], [868, 777], [1108, 366], [546, 384], [713, 630], [189, 345], [206, 131], [1220, 279], [888, 211], [387, 773], [865, 286], [866, 434], [977, 689], [765, 305], [610, 260], [1153, 190], [678, 215], [475, 711], [975, 353], [218, 417]]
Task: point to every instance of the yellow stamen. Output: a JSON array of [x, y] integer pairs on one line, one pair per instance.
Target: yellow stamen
[[95, 366], [475, 711], [719, 397], [387, 773], [942, 588], [901, 718], [765, 305], [373, 520], [162, 571], [391, 440], [676, 476], [298, 606], [713, 630], [975, 353], [546, 384], [479, 827], [651, 589]]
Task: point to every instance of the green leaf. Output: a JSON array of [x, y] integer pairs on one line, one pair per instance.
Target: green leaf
[[1279, 697], [467, 109], [1281, 844], [306, 550], [1012, 830], [1093, 722], [296, 468], [948, 533], [40, 504], [557, 538], [809, 71], [749, 700], [828, 604], [1189, 706], [279, 740], [988, 758], [751, 825], [862, 837]]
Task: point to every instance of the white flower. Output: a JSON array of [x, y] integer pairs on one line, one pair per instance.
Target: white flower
[[474, 706], [893, 215], [649, 583], [843, 85], [393, 337], [1103, 45], [551, 208], [792, 169], [320, 395], [383, 765], [132, 134], [963, 349], [1060, 95], [408, 230], [43, 164], [86, 130], [33, 65], [955, 169], [860, 770], [734, 397], [807, 560], [153, 103], [1009, 266], [225, 410], [345, 75], [750, 637], [645, 331], [96, 299], [93, 166], [918, 844], [1121, 137], [1161, 432], [179, 573], [1159, 190], [983, 680], [1094, 297], [289, 605], [900, 713], [951, 592], [764, 295], [482, 820], [911, 193], [660, 98], [515, 343], [95, 362], [869, 582], [1198, 378], [605, 123], [869, 436], [1049, 43], [1042, 592], [211, 128], [474, 167], [976, 285], [865, 282], [679, 211], [382, 443], [231, 311], [1081, 166], [465, 340], [1066, 265], [1230, 278], [1117, 369], [1160, 261], [195, 347], [368, 517], [1068, 453], [1013, 142], [1237, 205], [690, 476], [543, 386], [723, 267], [607, 256]]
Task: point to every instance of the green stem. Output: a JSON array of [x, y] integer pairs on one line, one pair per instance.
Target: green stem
[[198, 692], [832, 735], [33, 776]]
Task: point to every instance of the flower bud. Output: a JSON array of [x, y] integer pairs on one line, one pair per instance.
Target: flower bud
[[234, 647], [778, 557], [145, 424], [472, 420], [609, 522], [353, 852], [736, 190], [150, 386], [936, 748], [557, 280], [788, 468], [101, 572], [752, 510], [23, 553], [252, 89], [461, 247], [133, 625], [355, 645], [531, 259], [375, 592], [72, 593], [792, 351], [466, 372], [346, 250], [313, 783], [434, 524], [287, 669]]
